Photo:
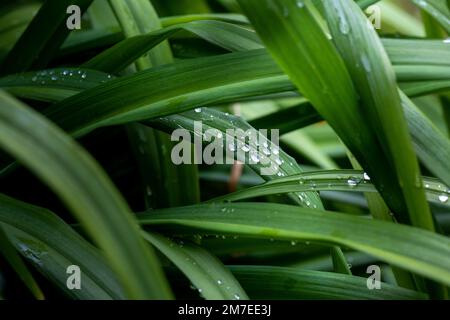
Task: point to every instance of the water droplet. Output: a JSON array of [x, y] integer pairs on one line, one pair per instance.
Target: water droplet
[[254, 157], [446, 40], [278, 161], [245, 148], [54, 78], [34, 79], [366, 176], [293, 243], [352, 182], [366, 63], [422, 3], [237, 297], [198, 110], [30, 254], [443, 198], [300, 4], [198, 237], [343, 26], [275, 151], [219, 282], [83, 76]]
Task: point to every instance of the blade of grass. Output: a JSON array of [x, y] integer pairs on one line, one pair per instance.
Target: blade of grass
[[86, 190], [430, 150], [417, 250], [214, 119], [50, 245], [9, 252], [206, 272], [180, 182], [264, 282], [340, 264], [437, 9], [307, 52], [42, 38], [337, 180], [373, 77], [225, 35]]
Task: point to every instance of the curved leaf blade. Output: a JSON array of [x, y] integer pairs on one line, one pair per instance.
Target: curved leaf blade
[[87, 191]]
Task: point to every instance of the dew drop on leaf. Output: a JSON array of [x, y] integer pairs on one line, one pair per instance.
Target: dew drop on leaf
[[352, 182], [443, 198]]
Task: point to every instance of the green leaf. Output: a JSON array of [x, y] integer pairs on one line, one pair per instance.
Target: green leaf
[[206, 80], [226, 35], [206, 273], [283, 165], [264, 282], [42, 38], [86, 190], [326, 180], [14, 259], [225, 17], [438, 9], [306, 53], [149, 146], [374, 80], [340, 264], [51, 246], [434, 150], [417, 250]]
